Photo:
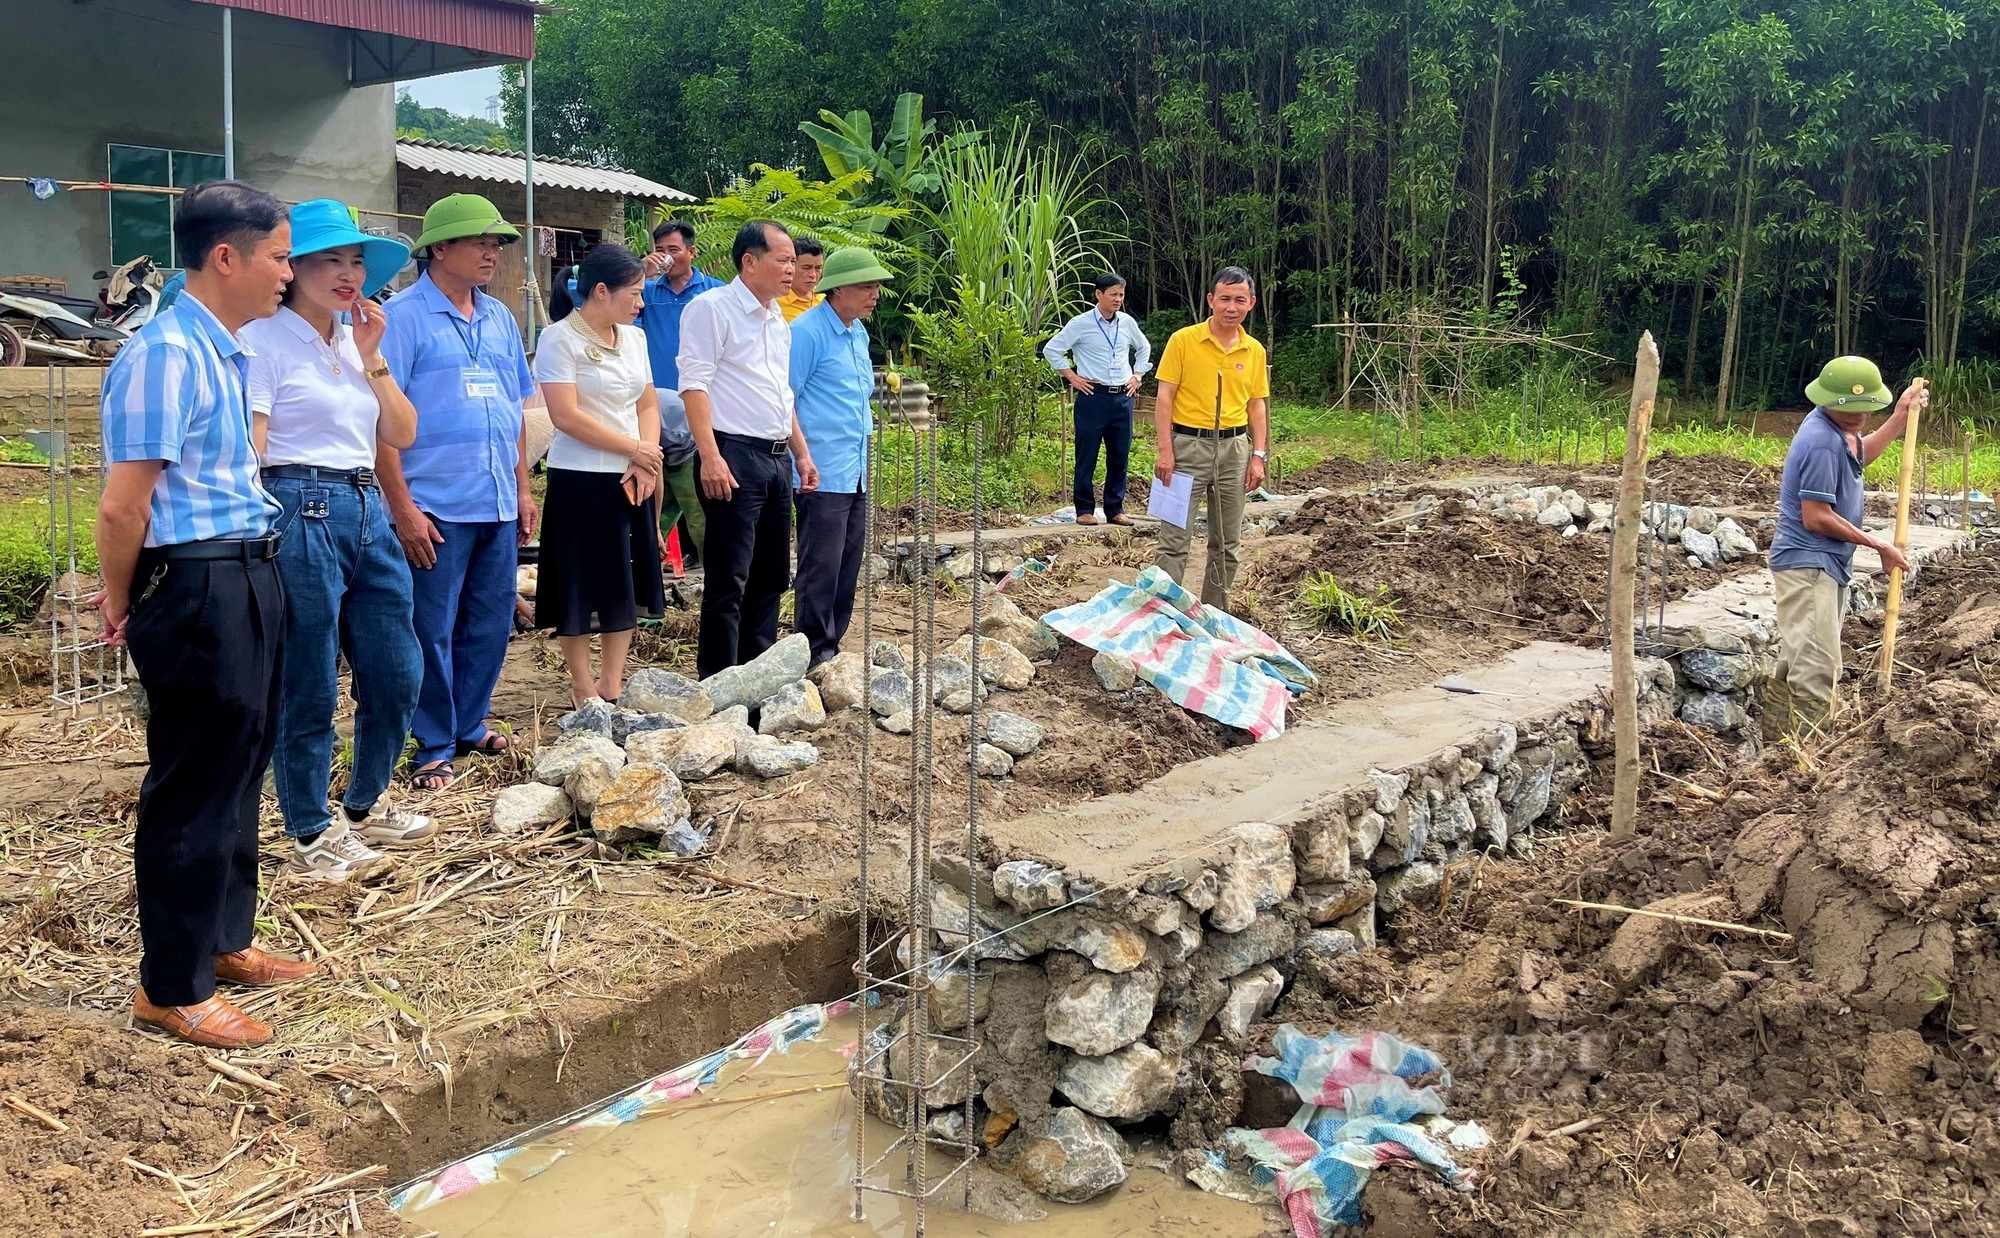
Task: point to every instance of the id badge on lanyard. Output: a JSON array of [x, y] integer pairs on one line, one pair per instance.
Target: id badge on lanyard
[[481, 383]]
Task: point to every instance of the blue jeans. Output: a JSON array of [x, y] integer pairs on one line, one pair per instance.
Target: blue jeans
[[464, 618], [348, 586]]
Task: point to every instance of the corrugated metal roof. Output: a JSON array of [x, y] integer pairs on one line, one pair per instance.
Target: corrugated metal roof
[[498, 27], [483, 163]]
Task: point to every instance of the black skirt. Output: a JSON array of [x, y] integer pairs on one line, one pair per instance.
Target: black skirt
[[600, 557]]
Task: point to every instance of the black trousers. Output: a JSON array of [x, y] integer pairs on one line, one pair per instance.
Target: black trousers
[[207, 637], [1102, 418], [748, 551], [831, 528]]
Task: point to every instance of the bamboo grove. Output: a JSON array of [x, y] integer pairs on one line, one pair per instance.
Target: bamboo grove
[[1760, 185]]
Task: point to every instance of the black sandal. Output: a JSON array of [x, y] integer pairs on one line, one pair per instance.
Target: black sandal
[[493, 744], [434, 777]]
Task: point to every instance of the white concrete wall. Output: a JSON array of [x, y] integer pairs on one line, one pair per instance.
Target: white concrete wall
[[81, 74]]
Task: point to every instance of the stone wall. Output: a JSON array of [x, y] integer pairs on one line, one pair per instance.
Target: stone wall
[[1097, 1007]]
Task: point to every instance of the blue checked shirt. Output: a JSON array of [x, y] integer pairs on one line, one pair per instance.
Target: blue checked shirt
[[832, 381], [1105, 352], [178, 391], [467, 380], [660, 319]]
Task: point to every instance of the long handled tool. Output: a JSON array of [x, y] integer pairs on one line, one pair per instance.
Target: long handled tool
[[1887, 670]]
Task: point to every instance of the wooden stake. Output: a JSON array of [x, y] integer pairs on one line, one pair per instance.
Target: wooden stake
[[1886, 671], [1965, 486], [1624, 568]]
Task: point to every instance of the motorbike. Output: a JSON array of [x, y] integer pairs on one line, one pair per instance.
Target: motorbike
[[53, 328]]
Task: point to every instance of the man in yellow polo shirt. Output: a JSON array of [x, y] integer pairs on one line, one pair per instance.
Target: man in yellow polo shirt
[[805, 280], [1212, 419]]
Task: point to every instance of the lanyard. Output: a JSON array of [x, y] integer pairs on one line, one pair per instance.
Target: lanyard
[[476, 343], [1111, 339]]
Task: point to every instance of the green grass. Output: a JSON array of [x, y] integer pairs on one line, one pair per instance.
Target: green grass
[[1304, 435], [24, 553], [1370, 616]]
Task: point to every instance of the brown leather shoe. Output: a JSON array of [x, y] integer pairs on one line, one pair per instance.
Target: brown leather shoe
[[214, 1023], [253, 967]]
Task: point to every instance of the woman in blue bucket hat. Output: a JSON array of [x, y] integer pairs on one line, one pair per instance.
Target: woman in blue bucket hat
[[322, 397]]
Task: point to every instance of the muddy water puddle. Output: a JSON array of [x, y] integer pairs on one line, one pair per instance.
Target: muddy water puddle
[[769, 1151]]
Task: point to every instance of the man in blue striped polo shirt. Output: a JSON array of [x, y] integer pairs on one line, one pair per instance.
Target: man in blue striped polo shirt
[[186, 544], [459, 494]]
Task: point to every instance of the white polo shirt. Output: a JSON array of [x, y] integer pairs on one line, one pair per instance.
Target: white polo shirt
[[317, 417], [607, 390], [739, 351]]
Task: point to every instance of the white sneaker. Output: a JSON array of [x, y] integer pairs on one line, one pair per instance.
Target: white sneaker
[[387, 825], [336, 855]]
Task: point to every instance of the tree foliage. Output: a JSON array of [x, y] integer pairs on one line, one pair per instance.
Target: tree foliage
[[417, 122], [1761, 185]]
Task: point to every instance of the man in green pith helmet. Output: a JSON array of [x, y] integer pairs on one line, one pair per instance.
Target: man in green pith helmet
[[1819, 525]]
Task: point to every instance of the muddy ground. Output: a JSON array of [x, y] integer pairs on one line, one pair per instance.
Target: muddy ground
[[1840, 1082], [490, 983]]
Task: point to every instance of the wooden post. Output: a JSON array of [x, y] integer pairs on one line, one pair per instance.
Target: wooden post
[[1887, 670], [1624, 566], [1965, 483]]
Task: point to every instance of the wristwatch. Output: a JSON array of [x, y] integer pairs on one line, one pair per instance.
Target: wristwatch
[[380, 371], [1261, 455]]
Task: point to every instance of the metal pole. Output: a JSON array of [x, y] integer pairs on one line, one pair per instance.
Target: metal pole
[[228, 94], [530, 291]]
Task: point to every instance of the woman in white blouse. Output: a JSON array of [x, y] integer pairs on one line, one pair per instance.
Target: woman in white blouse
[[321, 398], [600, 557]]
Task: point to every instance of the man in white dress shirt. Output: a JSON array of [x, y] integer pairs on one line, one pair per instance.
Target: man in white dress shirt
[[1101, 352], [735, 375]]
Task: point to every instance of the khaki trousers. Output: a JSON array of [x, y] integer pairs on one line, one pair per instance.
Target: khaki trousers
[[1217, 466], [1809, 605]]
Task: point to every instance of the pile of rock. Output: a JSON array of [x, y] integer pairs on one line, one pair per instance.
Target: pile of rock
[[1095, 1004], [1706, 538], [624, 769], [1007, 644], [1719, 676]]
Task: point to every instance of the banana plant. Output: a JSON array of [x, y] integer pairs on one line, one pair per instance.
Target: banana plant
[[903, 169]]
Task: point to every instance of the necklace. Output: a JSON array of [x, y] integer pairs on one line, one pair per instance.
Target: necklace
[[330, 351], [596, 346]]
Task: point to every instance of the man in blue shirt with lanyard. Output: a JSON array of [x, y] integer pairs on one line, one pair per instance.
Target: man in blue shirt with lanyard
[[672, 281], [186, 543], [1110, 353], [459, 493], [832, 380]]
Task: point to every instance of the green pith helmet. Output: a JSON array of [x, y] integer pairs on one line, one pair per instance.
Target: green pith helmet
[[852, 265], [1850, 385], [462, 215]]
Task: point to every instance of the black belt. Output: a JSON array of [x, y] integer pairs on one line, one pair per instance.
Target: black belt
[[312, 472], [1106, 388], [1224, 432], [776, 447], [249, 550]]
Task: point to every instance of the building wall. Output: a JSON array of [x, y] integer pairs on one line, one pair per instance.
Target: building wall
[[571, 209], [81, 74]]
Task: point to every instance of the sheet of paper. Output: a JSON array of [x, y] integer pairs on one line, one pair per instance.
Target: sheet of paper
[[1169, 501]]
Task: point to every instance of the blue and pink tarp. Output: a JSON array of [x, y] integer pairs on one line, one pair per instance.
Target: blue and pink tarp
[[1205, 660]]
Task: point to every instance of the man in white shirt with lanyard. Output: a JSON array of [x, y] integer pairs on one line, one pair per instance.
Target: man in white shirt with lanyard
[[1109, 354], [735, 375]]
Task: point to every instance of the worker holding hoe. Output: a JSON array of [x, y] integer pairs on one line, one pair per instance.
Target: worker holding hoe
[[1819, 525]]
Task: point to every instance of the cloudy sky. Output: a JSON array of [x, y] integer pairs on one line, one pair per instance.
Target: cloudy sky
[[465, 94]]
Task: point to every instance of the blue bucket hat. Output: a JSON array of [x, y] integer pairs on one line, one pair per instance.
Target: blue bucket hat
[[324, 224]]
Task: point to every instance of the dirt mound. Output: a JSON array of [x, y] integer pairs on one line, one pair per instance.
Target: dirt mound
[[1715, 481], [1334, 472], [1459, 565], [1836, 1081]]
